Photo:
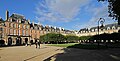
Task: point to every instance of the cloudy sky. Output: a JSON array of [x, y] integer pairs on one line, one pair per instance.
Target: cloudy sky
[[68, 14]]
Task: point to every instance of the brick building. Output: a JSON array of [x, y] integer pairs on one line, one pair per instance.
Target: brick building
[[16, 30]]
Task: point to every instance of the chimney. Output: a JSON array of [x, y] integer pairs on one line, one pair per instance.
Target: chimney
[[7, 15]]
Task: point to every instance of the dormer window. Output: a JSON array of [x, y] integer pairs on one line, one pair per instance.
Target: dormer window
[[113, 27], [40, 28], [92, 30], [118, 28], [11, 20], [19, 21], [108, 28], [35, 27], [96, 29]]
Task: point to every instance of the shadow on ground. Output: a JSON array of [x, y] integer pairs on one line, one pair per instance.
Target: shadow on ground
[[87, 53], [94, 46]]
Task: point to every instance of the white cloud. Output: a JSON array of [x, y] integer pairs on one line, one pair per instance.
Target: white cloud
[[59, 10], [66, 10], [97, 12]]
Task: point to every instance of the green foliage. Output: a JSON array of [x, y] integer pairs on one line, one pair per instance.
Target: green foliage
[[113, 36], [84, 37], [62, 45], [52, 37], [43, 38], [114, 9], [72, 38]]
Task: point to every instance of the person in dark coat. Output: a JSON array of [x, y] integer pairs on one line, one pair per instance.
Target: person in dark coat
[[31, 41], [39, 44], [36, 43]]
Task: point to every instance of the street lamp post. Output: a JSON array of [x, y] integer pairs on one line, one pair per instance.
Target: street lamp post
[[101, 21]]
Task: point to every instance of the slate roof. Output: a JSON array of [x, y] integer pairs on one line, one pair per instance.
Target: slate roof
[[17, 16], [105, 27]]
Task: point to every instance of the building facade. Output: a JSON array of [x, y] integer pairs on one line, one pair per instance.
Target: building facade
[[110, 28], [17, 30]]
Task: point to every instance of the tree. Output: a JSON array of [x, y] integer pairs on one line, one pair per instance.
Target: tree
[[114, 9], [52, 37], [72, 38], [84, 37]]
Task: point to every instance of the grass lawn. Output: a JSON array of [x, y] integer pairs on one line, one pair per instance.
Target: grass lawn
[[86, 46], [63, 45], [79, 46]]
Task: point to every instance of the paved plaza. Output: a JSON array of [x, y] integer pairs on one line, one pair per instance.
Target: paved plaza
[[50, 53], [22, 53]]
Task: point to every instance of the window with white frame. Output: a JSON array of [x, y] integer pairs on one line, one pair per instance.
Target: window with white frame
[[27, 32], [18, 26], [23, 32], [14, 32], [14, 25], [11, 31], [11, 25], [19, 32]]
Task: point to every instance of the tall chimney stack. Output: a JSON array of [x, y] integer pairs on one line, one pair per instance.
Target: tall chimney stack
[[7, 15]]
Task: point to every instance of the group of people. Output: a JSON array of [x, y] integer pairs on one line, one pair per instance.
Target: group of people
[[37, 43]]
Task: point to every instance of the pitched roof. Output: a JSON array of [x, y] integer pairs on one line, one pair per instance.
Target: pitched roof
[[17, 16], [105, 27]]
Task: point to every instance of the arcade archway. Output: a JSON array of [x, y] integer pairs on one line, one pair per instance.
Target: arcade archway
[[9, 41], [18, 41]]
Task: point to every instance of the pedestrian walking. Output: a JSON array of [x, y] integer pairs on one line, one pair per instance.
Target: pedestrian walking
[[31, 41], [39, 44], [36, 43]]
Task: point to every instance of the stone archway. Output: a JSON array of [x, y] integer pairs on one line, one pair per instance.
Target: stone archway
[[9, 41]]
